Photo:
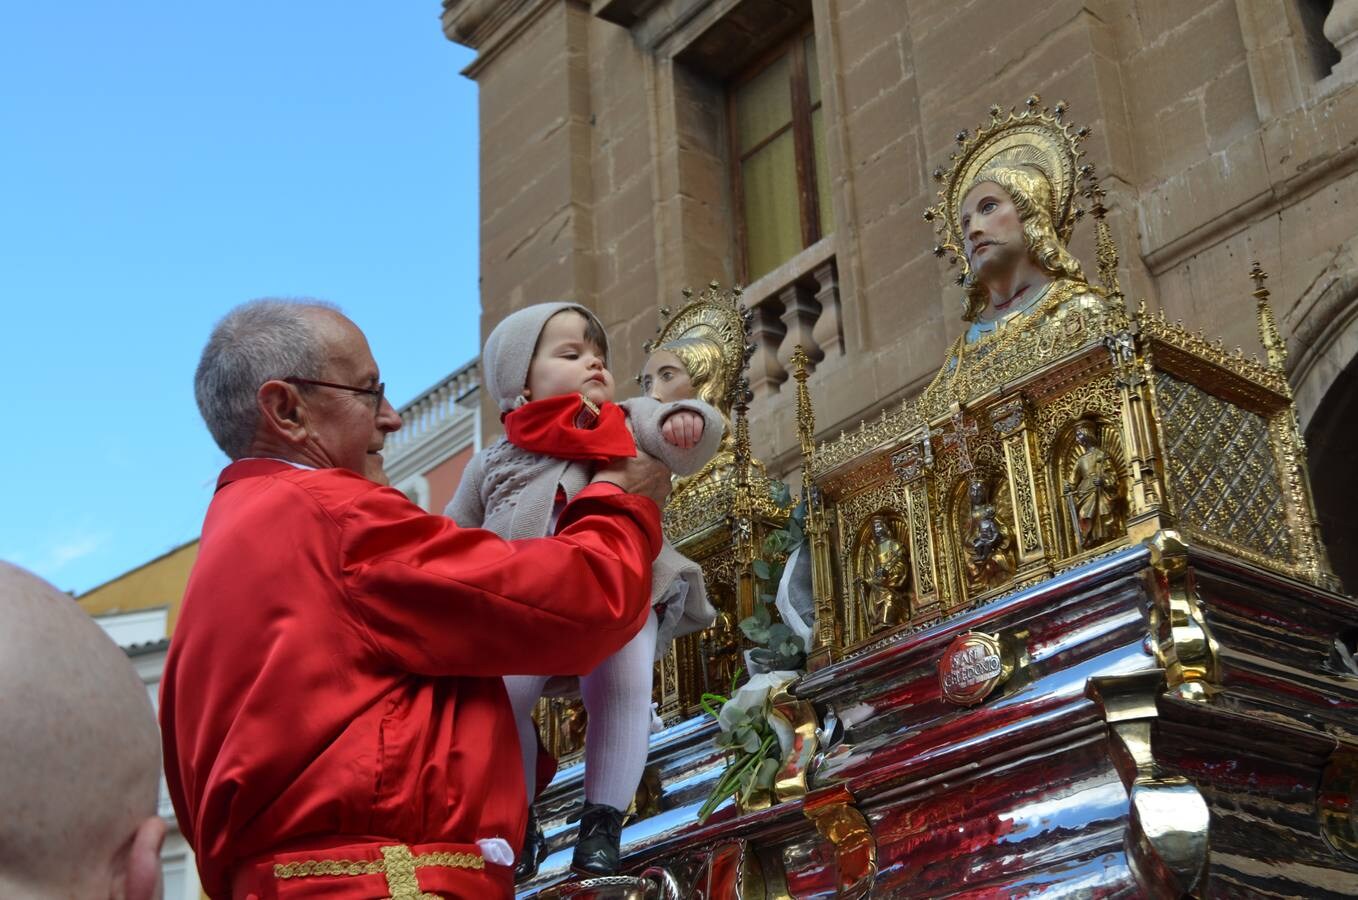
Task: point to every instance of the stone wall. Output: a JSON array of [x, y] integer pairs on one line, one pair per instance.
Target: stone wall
[[1218, 132]]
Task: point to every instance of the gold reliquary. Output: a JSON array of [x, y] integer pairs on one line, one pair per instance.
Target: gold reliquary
[[1073, 431], [942, 505]]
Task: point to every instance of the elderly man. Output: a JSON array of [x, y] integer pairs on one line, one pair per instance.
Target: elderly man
[[333, 719], [79, 762]]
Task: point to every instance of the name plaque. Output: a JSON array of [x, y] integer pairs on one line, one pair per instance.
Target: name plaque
[[972, 667]]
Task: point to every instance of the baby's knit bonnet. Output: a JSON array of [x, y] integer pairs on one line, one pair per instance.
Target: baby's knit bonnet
[[509, 350]]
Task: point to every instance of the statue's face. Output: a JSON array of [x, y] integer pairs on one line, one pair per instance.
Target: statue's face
[[665, 378], [992, 230], [1084, 437], [977, 492], [878, 527]]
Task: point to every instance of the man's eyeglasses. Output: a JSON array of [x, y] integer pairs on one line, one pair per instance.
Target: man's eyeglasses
[[377, 393]]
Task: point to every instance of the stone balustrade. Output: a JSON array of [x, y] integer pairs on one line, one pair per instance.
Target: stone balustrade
[[434, 408], [796, 303]]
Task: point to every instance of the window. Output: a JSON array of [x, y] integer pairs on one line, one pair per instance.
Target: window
[[780, 182]]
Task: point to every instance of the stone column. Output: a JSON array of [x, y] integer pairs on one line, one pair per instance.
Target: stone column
[[1341, 29], [766, 333]]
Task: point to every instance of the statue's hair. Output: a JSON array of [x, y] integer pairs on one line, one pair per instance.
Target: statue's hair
[[1030, 192], [256, 342], [702, 358]]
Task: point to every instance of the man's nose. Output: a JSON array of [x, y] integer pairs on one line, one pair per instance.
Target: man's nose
[[388, 419]]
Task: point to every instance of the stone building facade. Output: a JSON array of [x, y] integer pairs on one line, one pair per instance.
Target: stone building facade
[[618, 145]]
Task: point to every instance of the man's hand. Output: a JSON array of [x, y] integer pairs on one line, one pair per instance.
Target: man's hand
[[642, 474], [683, 429]]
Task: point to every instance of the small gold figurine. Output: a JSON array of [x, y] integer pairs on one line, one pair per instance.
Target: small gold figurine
[[883, 576], [574, 722], [1093, 490], [720, 647], [987, 539]]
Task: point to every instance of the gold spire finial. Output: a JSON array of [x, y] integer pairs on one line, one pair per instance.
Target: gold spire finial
[[1106, 250], [806, 417], [1274, 346], [741, 442]]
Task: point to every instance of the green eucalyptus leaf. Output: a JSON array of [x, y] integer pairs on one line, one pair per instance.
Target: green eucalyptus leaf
[[756, 632], [761, 570]]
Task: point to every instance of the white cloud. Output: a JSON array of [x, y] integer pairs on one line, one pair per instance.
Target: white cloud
[[51, 559]]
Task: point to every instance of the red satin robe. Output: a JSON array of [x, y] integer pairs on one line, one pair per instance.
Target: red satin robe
[[334, 676]]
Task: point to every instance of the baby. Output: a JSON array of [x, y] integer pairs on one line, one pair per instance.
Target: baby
[[546, 367]]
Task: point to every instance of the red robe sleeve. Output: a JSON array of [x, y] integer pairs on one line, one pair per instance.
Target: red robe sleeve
[[437, 599]]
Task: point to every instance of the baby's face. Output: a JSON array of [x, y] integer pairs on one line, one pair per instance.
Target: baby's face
[[665, 378], [566, 362]]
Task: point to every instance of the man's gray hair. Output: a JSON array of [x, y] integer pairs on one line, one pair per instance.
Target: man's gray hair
[[256, 342]]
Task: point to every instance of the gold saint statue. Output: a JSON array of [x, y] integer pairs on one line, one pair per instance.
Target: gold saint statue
[[720, 646], [987, 540], [884, 573], [693, 368], [1006, 213], [699, 354], [1094, 490]]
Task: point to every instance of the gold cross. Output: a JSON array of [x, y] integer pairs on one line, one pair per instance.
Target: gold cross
[[1260, 276], [961, 430]]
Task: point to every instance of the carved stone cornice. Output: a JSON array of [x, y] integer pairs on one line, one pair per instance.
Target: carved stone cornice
[[622, 12], [488, 26]]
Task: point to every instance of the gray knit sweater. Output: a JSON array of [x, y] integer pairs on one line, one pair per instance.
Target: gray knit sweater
[[512, 492]]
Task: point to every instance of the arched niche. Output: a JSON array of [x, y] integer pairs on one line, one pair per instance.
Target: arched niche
[[1332, 440], [1325, 379]]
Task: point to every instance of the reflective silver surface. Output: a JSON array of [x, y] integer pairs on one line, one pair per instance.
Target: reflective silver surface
[[1093, 770]]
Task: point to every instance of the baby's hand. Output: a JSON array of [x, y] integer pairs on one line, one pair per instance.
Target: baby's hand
[[683, 429]]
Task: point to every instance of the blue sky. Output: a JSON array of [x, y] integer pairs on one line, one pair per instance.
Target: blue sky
[[161, 162]]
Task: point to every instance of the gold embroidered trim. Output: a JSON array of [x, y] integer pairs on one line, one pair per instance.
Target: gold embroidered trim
[[398, 863], [328, 867], [451, 860]]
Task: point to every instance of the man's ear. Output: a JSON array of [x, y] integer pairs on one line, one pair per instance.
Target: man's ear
[[281, 410], [142, 878]]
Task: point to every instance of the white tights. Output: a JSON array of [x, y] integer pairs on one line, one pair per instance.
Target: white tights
[[617, 698]]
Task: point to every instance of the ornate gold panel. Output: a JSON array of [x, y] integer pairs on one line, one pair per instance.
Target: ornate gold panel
[[922, 544], [1222, 473]]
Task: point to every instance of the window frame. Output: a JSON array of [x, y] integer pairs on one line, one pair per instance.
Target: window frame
[[792, 45]]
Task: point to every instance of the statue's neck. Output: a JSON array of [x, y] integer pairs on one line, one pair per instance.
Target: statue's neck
[[1013, 291]]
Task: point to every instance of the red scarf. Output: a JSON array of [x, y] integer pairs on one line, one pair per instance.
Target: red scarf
[[569, 427]]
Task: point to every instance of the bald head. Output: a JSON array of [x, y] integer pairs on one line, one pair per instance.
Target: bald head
[[79, 750]]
